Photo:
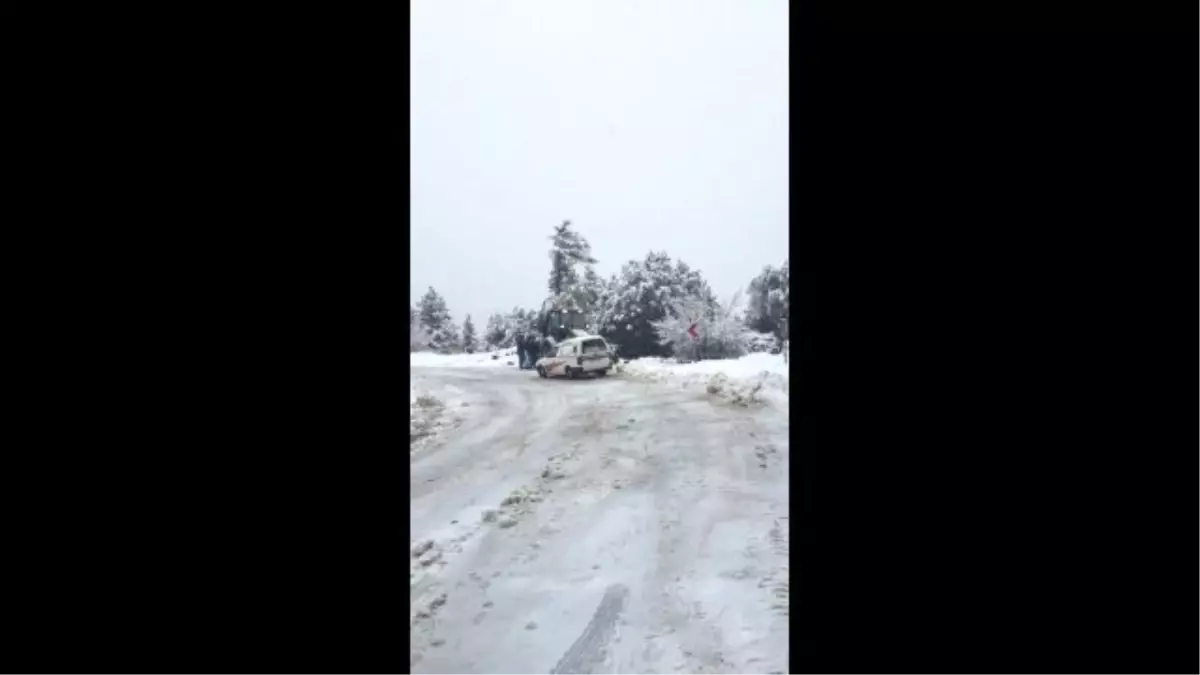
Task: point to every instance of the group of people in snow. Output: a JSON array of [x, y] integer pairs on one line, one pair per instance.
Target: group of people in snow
[[531, 346], [529, 349]]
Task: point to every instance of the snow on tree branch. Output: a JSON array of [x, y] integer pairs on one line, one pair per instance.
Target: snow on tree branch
[[722, 333]]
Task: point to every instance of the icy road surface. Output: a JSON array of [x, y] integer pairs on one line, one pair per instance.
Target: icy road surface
[[598, 526]]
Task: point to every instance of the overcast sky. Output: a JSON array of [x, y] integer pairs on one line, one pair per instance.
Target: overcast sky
[[654, 124]]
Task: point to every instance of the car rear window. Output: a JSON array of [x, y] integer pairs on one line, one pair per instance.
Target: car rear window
[[594, 346]]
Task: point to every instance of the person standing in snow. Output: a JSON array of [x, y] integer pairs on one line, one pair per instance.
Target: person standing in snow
[[532, 349], [526, 351], [520, 342]]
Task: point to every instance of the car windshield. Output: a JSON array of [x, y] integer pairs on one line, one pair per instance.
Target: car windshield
[[594, 346]]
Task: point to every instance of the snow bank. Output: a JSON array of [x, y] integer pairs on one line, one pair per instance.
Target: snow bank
[[754, 378], [740, 368], [431, 360], [432, 410]]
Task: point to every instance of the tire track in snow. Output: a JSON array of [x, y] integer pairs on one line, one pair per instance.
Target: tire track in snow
[[662, 496], [589, 650]]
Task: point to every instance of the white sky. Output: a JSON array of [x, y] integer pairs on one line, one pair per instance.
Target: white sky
[[660, 124]]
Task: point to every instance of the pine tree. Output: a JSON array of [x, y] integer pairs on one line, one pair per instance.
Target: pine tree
[[765, 302], [526, 321], [448, 339], [570, 299], [495, 332], [591, 290], [433, 312], [468, 336], [569, 249], [435, 319], [418, 337]]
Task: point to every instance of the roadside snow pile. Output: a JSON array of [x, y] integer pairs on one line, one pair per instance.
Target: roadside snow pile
[[432, 360], [754, 378], [424, 416], [430, 413]]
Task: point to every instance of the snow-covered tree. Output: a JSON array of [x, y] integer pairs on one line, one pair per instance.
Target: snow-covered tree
[[765, 304], [503, 330], [435, 319], [572, 296], [787, 299], [433, 311], [525, 321], [672, 330], [448, 341], [502, 327], [469, 343], [418, 337], [641, 295], [569, 249], [721, 332], [496, 333], [591, 290], [727, 335]]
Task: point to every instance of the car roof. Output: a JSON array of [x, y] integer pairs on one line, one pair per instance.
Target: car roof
[[583, 338]]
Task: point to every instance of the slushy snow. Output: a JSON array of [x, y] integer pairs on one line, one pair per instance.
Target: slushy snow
[[615, 525], [434, 407]]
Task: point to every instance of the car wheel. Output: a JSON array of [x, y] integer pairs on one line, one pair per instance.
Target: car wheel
[[601, 373], [541, 371]]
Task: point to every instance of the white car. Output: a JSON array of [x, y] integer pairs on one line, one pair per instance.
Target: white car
[[577, 357]]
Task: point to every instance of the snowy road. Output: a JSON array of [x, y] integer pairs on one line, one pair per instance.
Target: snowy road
[[609, 525]]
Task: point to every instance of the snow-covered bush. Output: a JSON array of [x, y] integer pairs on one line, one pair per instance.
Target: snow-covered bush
[[768, 301], [762, 343], [721, 330], [632, 302]]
